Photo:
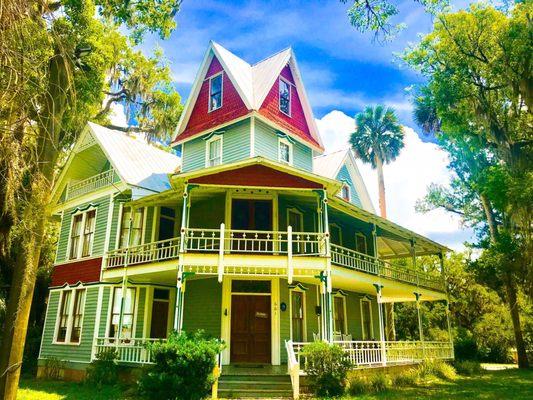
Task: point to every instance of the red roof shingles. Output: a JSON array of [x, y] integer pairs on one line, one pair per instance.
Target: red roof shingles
[[232, 105]]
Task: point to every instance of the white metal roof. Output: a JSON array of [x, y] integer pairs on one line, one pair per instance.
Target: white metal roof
[[136, 161]]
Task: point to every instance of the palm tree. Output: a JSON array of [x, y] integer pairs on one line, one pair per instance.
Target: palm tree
[[377, 140]]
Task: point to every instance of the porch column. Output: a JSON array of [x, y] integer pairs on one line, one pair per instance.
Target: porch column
[[379, 287], [125, 277], [328, 302], [448, 322], [420, 328], [178, 312]]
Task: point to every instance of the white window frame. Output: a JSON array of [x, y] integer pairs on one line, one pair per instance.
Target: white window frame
[[129, 227], [289, 145], [367, 300], [81, 237], [207, 146], [345, 327], [70, 316], [209, 108], [304, 306], [346, 186], [359, 236], [289, 84]]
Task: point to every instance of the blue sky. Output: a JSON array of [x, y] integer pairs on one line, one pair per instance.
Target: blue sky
[[343, 71]]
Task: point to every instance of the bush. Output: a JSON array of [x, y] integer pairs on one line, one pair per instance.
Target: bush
[[437, 368], [103, 370], [52, 368], [358, 385], [183, 367], [379, 382], [468, 368], [326, 366], [406, 378]]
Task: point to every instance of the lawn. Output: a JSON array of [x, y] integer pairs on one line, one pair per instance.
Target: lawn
[[493, 384]]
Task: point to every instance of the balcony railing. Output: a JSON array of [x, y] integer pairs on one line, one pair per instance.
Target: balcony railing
[[133, 351], [362, 262], [144, 253], [95, 182]]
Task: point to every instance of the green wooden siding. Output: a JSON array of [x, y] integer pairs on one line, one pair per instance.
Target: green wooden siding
[[344, 176], [285, 321], [139, 325], [207, 213], [202, 306], [235, 147], [266, 145], [149, 224], [310, 311], [105, 310], [308, 210], [102, 210], [73, 352], [349, 227]]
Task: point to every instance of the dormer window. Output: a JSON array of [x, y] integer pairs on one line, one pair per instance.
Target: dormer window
[[285, 97], [285, 151], [213, 151], [345, 192], [215, 92]]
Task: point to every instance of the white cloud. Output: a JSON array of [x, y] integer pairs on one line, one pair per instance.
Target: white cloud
[[406, 180], [117, 115]]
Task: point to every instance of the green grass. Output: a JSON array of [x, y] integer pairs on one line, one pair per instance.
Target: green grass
[[491, 385], [33, 389]]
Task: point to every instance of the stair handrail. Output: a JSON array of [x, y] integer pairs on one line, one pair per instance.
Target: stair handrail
[[293, 368]]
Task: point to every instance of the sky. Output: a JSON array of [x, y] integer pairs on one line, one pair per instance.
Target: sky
[[343, 71]]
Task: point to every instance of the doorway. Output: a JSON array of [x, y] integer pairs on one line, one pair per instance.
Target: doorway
[[250, 329], [251, 215], [159, 322]]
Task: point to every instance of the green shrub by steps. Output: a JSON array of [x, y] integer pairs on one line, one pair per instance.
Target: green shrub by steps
[[327, 367], [375, 383], [379, 382], [468, 368], [407, 378], [103, 370], [437, 368], [183, 367]]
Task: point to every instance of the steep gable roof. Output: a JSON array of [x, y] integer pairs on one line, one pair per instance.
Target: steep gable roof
[[329, 165], [253, 83]]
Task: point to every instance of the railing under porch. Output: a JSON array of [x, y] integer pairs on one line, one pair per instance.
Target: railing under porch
[[352, 259], [134, 351]]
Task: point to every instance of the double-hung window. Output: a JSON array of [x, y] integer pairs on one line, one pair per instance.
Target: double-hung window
[[70, 316], [339, 320], [345, 192], [285, 97], [366, 319], [128, 310], [214, 151], [136, 227], [215, 92], [285, 151], [82, 234], [360, 243]]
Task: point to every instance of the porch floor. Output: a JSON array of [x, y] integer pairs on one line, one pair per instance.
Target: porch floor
[[254, 369]]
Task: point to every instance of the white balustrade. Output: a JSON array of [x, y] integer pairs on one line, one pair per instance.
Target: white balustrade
[[144, 253], [135, 350], [95, 182]]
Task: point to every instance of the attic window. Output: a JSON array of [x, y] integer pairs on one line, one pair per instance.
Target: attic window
[[285, 151], [345, 192], [285, 97], [215, 92]]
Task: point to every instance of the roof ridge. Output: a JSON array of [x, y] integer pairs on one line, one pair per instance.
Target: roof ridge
[[333, 152], [272, 55]]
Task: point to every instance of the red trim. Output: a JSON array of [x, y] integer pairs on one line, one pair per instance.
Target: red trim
[[257, 175], [85, 271]]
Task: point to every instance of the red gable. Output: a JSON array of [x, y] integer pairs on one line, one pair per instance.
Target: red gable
[[232, 105], [296, 123]]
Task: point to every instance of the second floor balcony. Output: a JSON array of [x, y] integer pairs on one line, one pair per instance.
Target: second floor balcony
[[91, 184]]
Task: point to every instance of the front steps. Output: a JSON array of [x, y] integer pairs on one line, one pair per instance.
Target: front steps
[[257, 384]]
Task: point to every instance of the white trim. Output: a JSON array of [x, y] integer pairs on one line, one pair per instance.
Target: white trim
[[304, 307], [149, 299], [207, 147], [119, 225], [289, 145], [155, 223], [57, 245], [221, 73], [143, 228], [365, 299], [252, 136], [73, 292], [81, 237], [290, 85], [300, 214], [346, 186], [109, 223], [96, 332]]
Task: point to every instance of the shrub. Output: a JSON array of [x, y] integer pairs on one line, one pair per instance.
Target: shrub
[[406, 378], [468, 368], [104, 369], [326, 366], [379, 382], [437, 368], [52, 368], [183, 367], [358, 385]]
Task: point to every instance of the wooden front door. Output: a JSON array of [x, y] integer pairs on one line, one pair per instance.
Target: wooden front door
[[158, 329], [250, 329], [251, 215]]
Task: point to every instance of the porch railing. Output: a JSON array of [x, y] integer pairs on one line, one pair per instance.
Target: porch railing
[[95, 182], [144, 253], [293, 368], [352, 259], [133, 351]]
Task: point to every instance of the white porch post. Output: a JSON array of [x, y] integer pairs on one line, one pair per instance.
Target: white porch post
[[290, 271], [124, 278], [327, 294], [378, 288], [420, 328], [178, 312], [448, 322]]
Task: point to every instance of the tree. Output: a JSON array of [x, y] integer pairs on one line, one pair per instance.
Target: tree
[[377, 140], [477, 64], [54, 61]]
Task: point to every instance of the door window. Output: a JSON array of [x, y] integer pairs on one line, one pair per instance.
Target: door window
[[366, 318], [339, 323], [297, 316]]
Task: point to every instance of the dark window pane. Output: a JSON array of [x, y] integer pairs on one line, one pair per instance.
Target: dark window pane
[[161, 294], [250, 286]]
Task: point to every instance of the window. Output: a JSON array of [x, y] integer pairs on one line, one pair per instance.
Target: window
[[335, 234], [214, 151], [285, 97], [360, 243], [297, 316], [88, 233], [81, 241], [127, 313], [136, 227], [215, 92], [285, 151], [70, 316], [366, 319], [339, 322], [345, 192], [295, 220]]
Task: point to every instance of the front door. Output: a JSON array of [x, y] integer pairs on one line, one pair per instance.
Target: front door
[[251, 215], [250, 329], [159, 323]]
